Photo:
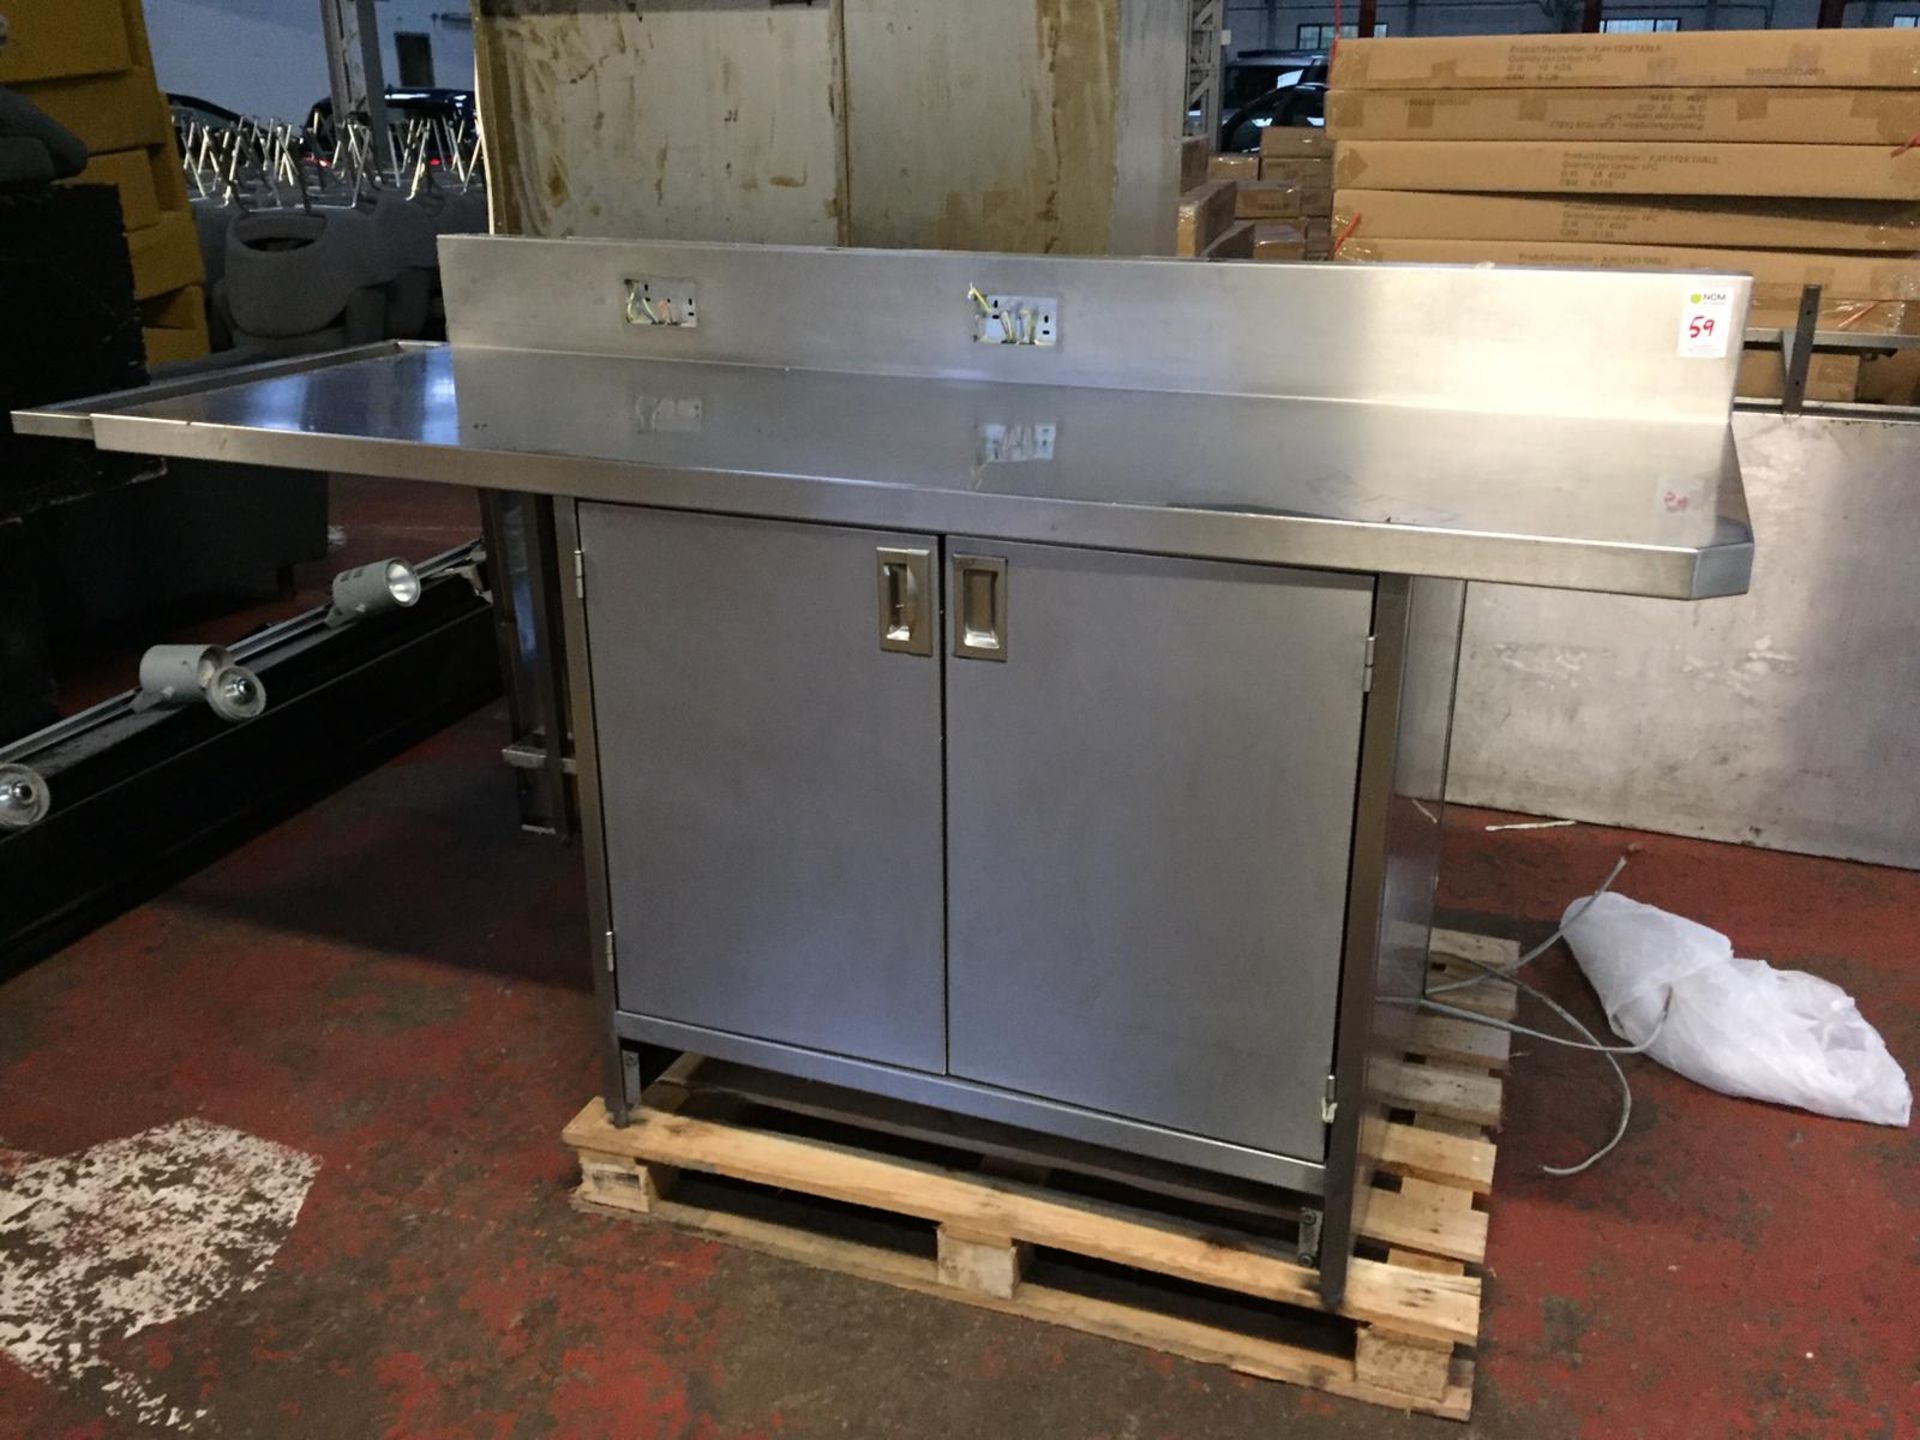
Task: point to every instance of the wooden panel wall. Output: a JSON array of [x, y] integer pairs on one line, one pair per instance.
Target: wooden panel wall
[[683, 120], [1024, 125]]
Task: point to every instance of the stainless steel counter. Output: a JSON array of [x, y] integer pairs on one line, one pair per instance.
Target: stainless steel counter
[[1636, 506], [1533, 427], [1111, 811]]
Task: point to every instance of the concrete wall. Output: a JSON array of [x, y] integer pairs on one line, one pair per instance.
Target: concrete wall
[[266, 57], [1275, 24]]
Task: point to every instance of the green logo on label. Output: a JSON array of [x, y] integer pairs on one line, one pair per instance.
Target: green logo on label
[[1696, 298]]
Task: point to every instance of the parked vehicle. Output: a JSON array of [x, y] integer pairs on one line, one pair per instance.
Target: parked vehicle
[[1252, 73], [449, 107], [1300, 102], [207, 112]]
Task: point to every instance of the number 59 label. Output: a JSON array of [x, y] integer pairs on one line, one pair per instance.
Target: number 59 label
[[1706, 318]]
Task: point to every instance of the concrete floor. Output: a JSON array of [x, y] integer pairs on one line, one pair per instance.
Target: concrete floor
[[395, 982]]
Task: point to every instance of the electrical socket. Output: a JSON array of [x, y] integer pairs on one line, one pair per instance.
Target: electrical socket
[[651, 413], [1004, 444], [1003, 323], [658, 300]]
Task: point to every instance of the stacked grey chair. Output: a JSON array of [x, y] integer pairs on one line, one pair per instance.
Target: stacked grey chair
[[307, 254]]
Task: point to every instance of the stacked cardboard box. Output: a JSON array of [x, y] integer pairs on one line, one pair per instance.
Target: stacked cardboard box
[[1790, 155], [87, 64], [1207, 229], [1300, 160], [1193, 161], [1273, 205]]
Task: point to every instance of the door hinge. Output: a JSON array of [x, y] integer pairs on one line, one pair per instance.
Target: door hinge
[[580, 585], [1328, 1105], [610, 950], [1308, 1248], [1366, 670]]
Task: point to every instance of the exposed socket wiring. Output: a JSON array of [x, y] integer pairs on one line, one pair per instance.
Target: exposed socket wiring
[[1591, 1043]]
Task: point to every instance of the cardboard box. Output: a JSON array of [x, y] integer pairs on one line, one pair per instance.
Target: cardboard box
[[139, 49], [1736, 224], [1763, 376], [1839, 172], [165, 255], [164, 347], [175, 310], [1308, 171], [1833, 59], [1889, 379], [1825, 117], [1266, 200], [1233, 243], [1289, 141], [175, 325], [1857, 277], [51, 39], [1233, 167], [1882, 379], [1193, 161], [1205, 211], [1276, 240], [1778, 307], [131, 173], [109, 112], [169, 177]]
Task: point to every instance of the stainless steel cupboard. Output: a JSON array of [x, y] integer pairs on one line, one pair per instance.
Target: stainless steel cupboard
[[1143, 912], [785, 882], [1058, 822]]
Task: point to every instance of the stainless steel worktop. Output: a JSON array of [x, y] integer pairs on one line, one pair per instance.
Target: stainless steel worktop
[[1649, 506], [1002, 784]]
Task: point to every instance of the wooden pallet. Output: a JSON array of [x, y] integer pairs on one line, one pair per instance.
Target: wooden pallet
[[1143, 1265]]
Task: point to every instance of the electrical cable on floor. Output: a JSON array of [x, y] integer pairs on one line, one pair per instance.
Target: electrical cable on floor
[[1592, 1044], [1607, 1052], [1456, 1013], [1506, 972]]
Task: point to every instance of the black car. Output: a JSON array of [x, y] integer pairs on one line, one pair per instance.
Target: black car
[[1253, 73], [1299, 99], [192, 107], [453, 107]]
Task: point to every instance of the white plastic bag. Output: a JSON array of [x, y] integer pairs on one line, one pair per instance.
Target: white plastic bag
[[1738, 1026]]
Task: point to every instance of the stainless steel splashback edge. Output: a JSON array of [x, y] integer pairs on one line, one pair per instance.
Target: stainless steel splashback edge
[[1513, 341]]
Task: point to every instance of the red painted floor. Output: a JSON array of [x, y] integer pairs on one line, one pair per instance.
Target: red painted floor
[[395, 981]]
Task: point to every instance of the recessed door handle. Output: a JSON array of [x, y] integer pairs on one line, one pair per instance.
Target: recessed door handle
[[979, 607], [906, 599]]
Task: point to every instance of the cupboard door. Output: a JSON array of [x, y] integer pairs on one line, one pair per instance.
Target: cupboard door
[[770, 772], [1150, 785]]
